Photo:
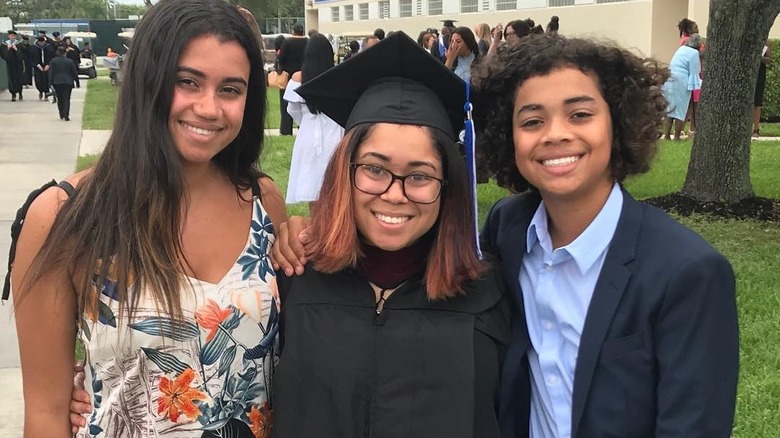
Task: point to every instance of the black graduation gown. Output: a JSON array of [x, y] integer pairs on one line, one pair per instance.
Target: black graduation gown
[[420, 369], [28, 63], [14, 62], [42, 55]]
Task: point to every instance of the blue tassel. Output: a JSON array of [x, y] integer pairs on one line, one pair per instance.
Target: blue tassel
[[471, 163]]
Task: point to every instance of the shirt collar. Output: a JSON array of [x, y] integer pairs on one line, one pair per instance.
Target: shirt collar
[[591, 243]]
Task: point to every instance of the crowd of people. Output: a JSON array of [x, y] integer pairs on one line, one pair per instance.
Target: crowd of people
[[205, 311], [40, 62]]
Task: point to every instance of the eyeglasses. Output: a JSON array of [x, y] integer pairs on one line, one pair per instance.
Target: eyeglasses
[[376, 180]]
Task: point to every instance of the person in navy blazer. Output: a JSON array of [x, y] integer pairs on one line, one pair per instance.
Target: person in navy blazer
[[644, 343]]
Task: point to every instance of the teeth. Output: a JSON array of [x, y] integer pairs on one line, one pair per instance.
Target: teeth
[[560, 161], [391, 219], [199, 130]]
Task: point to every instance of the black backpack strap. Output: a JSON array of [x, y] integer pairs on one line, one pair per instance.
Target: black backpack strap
[[16, 227]]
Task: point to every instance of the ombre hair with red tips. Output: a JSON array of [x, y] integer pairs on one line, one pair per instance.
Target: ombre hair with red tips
[[336, 241]]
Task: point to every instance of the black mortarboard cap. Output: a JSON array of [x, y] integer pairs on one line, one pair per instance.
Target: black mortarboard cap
[[11, 32], [55, 33], [395, 81], [449, 23]]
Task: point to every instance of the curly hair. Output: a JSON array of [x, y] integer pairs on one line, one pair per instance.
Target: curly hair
[[631, 86]]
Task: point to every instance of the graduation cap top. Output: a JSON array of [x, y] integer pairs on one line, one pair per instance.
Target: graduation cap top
[[449, 23], [395, 81], [11, 32]]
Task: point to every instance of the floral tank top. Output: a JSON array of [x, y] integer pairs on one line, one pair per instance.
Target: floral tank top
[[208, 375]]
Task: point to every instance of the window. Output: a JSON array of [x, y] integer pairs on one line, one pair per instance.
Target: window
[[506, 5], [363, 11], [434, 7], [469, 5], [405, 8], [485, 5], [349, 13], [334, 13], [384, 9], [419, 7], [554, 3]]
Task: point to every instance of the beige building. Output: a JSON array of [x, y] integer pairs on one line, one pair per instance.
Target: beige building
[[646, 26]]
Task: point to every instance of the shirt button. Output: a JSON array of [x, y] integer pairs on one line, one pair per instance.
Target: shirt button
[[548, 268], [553, 379], [548, 325]]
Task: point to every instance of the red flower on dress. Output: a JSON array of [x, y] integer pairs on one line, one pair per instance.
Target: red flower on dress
[[177, 396], [261, 421], [210, 317]]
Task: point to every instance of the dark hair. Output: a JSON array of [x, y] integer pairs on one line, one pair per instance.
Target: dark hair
[[354, 46], [452, 259], [631, 86], [126, 222], [553, 25], [297, 29], [537, 29], [530, 22], [317, 58], [379, 33], [278, 41], [61, 51], [685, 26], [520, 27], [469, 39], [421, 38]]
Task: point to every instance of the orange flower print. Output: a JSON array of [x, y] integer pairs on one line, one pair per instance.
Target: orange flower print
[[210, 317], [260, 420], [177, 397]]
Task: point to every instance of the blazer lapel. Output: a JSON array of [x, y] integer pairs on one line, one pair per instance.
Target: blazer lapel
[[611, 284]]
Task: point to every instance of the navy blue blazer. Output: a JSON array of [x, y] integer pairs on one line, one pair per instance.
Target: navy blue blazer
[[659, 353]]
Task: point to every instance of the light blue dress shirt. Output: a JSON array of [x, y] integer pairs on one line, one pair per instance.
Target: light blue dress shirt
[[557, 287], [463, 69]]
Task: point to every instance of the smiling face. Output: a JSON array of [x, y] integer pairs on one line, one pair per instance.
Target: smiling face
[[209, 97], [390, 221], [563, 136]]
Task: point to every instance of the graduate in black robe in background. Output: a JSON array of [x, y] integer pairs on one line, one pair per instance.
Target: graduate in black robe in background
[[27, 57], [14, 61], [43, 53]]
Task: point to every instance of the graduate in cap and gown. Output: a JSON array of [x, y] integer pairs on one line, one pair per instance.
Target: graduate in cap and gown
[[446, 34], [14, 62], [397, 326]]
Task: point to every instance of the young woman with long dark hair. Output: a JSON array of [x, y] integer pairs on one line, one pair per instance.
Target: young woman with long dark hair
[[158, 263]]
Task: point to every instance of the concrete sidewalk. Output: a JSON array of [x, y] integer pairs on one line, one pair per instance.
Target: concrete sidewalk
[[35, 147]]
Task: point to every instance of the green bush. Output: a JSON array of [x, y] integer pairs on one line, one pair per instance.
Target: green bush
[[771, 110]]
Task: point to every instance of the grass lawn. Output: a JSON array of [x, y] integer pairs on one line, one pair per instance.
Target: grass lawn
[[770, 129], [752, 247], [99, 104]]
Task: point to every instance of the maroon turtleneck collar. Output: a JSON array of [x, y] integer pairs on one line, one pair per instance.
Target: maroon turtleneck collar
[[388, 269]]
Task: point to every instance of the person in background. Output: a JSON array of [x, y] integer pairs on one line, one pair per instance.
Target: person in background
[[685, 68], [552, 26], [687, 28], [27, 53], [379, 33], [86, 51], [62, 75], [758, 98], [353, 49], [318, 135], [43, 53], [290, 57], [11, 53], [57, 40], [73, 53], [370, 42], [462, 53], [111, 53], [512, 33], [484, 37]]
